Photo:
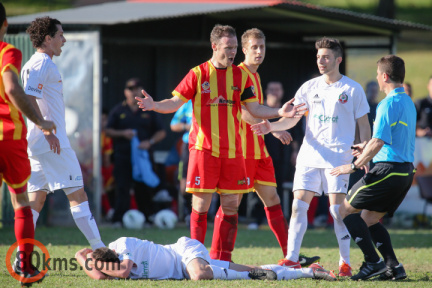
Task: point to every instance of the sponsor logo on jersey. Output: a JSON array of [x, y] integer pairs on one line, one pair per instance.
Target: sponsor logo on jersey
[[205, 87], [235, 88], [220, 101], [316, 99], [30, 88], [326, 119], [343, 98], [242, 182], [40, 86], [145, 272]]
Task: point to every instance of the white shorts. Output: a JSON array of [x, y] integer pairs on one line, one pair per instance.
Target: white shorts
[[51, 171], [190, 249], [319, 180]]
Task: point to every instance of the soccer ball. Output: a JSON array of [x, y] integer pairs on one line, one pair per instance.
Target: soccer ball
[[165, 219], [133, 219]]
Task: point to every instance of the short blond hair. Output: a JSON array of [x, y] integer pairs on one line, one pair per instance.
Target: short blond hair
[[253, 33]]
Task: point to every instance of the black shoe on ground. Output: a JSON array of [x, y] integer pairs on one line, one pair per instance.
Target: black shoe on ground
[[307, 261], [23, 274], [368, 270], [262, 274], [393, 273]]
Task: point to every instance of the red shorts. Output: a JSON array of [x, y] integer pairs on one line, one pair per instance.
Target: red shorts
[[210, 174], [260, 171], [15, 165]]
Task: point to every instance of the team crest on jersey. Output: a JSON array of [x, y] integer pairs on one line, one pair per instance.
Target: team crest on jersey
[[205, 86], [343, 98], [40, 86], [235, 88]]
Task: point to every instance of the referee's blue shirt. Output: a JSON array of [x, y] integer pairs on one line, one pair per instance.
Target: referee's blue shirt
[[395, 124]]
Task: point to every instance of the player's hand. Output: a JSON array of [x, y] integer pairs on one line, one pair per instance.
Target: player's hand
[[284, 136], [146, 103], [357, 149], [47, 127], [53, 142], [290, 111], [261, 128], [128, 133], [346, 169]]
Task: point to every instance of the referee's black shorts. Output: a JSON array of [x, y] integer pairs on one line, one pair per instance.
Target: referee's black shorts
[[383, 188]]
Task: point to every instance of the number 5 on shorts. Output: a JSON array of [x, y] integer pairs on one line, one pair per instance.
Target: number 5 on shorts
[[197, 180]]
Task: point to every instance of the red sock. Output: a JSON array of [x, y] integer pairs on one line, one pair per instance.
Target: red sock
[[198, 225], [278, 225], [24, 229], [216, 246], [228, 235]]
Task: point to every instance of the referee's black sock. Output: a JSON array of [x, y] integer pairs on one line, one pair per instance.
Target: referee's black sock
[[361, 236], [381, 239]]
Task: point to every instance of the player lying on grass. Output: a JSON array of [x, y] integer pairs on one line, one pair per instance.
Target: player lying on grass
[[134, 258]]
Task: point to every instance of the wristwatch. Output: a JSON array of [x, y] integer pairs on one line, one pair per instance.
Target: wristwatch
[[353, 167]]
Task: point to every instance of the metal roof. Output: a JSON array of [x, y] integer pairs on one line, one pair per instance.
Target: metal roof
[[126, 12], [147, 10]]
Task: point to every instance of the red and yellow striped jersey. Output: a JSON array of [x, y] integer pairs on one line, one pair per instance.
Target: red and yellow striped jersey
[[253, 145], [216, 99], [12, 125]]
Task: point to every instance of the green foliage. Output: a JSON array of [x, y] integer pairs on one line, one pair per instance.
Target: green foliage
[[413, 248], [22, 7]]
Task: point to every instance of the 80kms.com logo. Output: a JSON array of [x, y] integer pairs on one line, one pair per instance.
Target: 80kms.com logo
[[11, 250]]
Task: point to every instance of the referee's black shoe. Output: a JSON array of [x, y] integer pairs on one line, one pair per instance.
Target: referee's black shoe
[[369, 270], [393, 273], [262, 274], [307, 261]]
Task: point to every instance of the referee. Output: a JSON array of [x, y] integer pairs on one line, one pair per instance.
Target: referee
[[383, 188]]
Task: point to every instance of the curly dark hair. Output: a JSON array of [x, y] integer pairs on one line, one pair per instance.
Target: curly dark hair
[[40, 28]]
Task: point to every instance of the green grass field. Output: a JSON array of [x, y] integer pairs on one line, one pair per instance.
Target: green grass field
[[413, 248]]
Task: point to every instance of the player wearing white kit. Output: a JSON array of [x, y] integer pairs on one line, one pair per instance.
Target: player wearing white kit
[[134, 258], [54, 164], [335, 105]]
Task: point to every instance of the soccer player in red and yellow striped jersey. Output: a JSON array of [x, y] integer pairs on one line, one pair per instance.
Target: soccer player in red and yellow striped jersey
[[14, 162], [259, 165], [217, 89]]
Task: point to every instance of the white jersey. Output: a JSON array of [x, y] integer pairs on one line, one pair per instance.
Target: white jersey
[[331, 121], [152, 261], [42, 80]]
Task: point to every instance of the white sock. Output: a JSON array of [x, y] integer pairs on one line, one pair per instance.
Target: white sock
[[85, 221], [297, 229], [228, 274], [342, 235], [285, 273], [35, 217]]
